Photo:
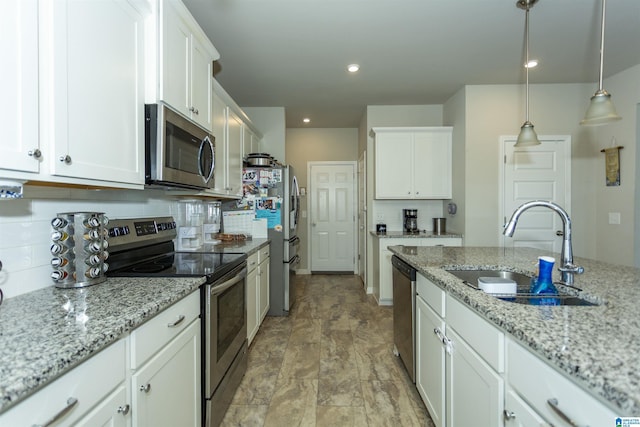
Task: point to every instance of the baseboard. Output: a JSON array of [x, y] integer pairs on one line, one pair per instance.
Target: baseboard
[[302, 272]]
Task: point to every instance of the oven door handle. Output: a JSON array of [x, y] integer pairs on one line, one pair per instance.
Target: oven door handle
[[217, 290]]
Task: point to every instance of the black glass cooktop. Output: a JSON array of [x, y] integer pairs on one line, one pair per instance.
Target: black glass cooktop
[[183, 264]]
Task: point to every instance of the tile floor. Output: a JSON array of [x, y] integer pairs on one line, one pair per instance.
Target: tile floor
[[330, 363]]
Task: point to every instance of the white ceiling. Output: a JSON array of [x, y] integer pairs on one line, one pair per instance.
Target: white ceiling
[[294, 53]]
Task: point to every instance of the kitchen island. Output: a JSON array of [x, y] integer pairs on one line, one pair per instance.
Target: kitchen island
[[597, 347]]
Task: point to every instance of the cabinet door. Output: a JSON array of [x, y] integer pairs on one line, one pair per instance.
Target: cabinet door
[[432, 164], [264, 290], [174, 54], [394, 160], [19, 86], [252, 303], [475, 392], [430, 361], [95, 63], [234, 154], [219, 130], [166, 390], [201, 85], [113, 411], [386, 277], [518, 414]]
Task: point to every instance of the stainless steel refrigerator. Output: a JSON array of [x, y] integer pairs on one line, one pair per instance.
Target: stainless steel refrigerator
[[274, 195]]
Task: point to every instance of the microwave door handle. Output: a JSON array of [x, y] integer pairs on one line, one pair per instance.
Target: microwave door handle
[[206, 143]]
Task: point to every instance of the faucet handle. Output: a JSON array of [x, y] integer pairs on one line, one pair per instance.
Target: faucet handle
[[571, 268]]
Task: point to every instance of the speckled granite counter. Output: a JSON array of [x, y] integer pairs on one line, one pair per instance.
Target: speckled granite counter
[[45, 333], [421, 235], [597, 347]]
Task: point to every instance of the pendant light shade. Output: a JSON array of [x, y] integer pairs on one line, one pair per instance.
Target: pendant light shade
[[601, 110], [527, 136]]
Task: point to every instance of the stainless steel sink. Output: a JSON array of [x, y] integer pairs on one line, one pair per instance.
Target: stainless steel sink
[[523, 295]]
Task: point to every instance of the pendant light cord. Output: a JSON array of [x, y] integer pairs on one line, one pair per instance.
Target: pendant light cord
[[526, 66], [604, 4]]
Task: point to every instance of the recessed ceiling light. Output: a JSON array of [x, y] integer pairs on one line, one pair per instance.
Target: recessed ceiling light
[[306, 120], [532, 63], [352, 68]]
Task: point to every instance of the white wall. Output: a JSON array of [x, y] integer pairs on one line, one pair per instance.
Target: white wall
[[25, 227], [271, 122], [454, 115], [615, 243]]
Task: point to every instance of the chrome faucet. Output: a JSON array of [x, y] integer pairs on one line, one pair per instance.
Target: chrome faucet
[[568, 268]]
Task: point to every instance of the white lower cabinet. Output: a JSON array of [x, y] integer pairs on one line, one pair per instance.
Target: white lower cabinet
[[430, 360], [166, 390], [257, 290], [112, 411], [383, 275], [474, 389], [549, 394], [72, 398], [460, 384], [517, 413]]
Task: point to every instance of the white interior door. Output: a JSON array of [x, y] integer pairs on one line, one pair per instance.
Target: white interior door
[[541, 172], [332, 216], [362, 217]]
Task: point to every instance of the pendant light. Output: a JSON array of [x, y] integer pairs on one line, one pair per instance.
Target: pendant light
[[527, 136], [601, 110]]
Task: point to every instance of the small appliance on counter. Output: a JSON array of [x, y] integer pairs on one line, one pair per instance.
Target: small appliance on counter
[[79, 248], [410, 221], [190, 220], [211, 226]]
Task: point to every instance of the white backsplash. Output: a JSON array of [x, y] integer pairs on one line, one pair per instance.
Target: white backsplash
[[25, 227], [390, 212]]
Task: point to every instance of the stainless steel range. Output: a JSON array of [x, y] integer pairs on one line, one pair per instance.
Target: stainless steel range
[[143, 247]]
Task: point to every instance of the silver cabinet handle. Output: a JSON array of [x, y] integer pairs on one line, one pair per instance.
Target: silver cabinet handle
[[177, 322], [65, 159], [553, 402], [71, 402], [146, 388], [509, 415], [124, 410], [35, 153]]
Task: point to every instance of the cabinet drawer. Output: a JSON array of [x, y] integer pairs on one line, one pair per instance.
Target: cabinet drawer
[[150, 337], [537, 382], [89, 383], [481, 336], [431, 293], [253, 260], [263, 254]]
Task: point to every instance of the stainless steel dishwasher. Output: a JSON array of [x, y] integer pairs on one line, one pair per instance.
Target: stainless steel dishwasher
[[404, 307]]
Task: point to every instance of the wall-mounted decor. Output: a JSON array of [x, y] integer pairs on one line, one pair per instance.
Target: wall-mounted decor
[[612, 165]]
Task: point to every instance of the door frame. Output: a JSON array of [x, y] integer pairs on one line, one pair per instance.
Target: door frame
[[354, 167], [566, 140], [361, 222]]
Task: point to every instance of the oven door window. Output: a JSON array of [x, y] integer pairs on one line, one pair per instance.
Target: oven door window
[[231, 311]]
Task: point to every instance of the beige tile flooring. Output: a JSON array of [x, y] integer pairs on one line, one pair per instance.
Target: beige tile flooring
[[330, 363]]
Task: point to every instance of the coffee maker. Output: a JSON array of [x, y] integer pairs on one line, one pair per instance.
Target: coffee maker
[[410, 220]]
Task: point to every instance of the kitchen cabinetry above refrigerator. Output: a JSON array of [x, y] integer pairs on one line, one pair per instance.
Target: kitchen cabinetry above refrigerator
[[90, 124], [413, 163]]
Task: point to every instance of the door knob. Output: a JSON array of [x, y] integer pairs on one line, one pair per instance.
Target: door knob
[[36, 153], [559, 233], [65, 159]]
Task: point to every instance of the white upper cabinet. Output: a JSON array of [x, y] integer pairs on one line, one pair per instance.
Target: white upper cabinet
[[185, 62], [19, 147], [413, 163], [92, 89]]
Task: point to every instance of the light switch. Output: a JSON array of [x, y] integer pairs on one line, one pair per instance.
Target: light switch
[[304, 213], [614, 218]]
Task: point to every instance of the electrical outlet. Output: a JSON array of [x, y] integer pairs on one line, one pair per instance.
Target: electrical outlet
[[380, 218], [614, 218]]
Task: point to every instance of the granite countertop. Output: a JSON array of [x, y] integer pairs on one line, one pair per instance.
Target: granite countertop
[[424, 234], [45, 333], [597, 347]]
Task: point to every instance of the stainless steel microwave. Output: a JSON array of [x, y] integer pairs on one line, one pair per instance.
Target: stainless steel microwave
[[178, 152]]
